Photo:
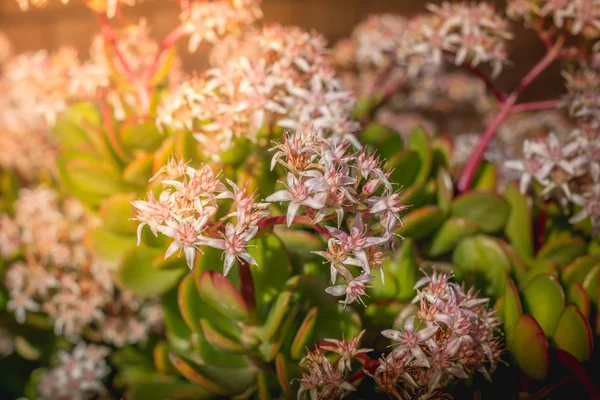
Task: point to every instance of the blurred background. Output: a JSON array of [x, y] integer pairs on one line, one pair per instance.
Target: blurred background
[[74, 25]]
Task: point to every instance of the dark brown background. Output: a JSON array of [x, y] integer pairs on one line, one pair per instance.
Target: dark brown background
[[74, 25]]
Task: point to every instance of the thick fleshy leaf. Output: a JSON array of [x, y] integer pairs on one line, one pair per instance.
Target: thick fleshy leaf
[[221, 294], [89, 179], [480, 261], [382, 140], [538, 267], [333, 321], [405, 167], [276, 316], [282, 367], [139, 170], [77, 127], [303, 335], [519, 228], [404, 268], [512, 312], [590, 283], [138, 274], [178, 333], [578, 269], [531, 349], [299, 243], [421, 222], [449, 234], [573, 334], [544, 299], [116, 213], [109, 246], [269, 349], [442, 150], [445, 189], [220, 341], [578, 296], [420, 142], [382, 289], [518, 267], [486, 177], [193, 375], [141, 135], [154, 387], [273, 269], [562, 250], [163, 154], [160, 356], [485, 209]]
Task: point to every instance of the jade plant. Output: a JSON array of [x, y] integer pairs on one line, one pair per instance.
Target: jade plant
[[243, 231]]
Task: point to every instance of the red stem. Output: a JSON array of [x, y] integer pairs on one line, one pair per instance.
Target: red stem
[[370, 366], [575, 366], [468, 172], [247, 284], [540, 228], [546, 390], [109, 36], [535, 105], [488, 83], [165, 45]]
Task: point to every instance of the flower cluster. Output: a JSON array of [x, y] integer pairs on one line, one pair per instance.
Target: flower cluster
[[211, 21], [328, 180], [323, 379], [451, 336], [109, 7], [282, 77], [583, 98], [186, 209], [470, 33], [62, 279], [575, 16], [79, 375]]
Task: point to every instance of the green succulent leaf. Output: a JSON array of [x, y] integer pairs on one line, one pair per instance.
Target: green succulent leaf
[[590, 283], [109, 246], [422, 222], [519, 228], [116, 213], [420, 142], [486, 177], [195, 376], [485, 209], [139, 170], [481, 261], [512, 312], [302, 338], [562, 250], [274, 267], [218, 292], [282, 369], [381, 139], [573, 334], [544, 299], [531, 348], [220, 341], [405, 167], [276, 316], [578, 296], [141, 135], [404, 269], [579, 269], [450, 233], [138, 274], [445, 189]]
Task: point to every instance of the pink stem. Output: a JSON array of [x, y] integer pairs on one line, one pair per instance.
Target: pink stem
[[470, 168], [165, 45], [487, 81], [535, 105], [109, 36], [540, 228]]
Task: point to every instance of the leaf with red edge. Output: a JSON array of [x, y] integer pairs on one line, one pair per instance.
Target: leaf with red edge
[[194, 376], [160, 356], [544, 299], [422, 222], [282, 370], [573, 334], [578, 269], [562, 250], [531, 349], [276, 316], [590, 283], [486, 209], [512, 312], [578, 296], [304, 333], [219, 340], [222, 295]]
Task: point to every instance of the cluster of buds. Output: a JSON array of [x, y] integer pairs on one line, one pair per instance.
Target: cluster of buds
[[109, 7], [79, 375], [61, 279], [328, 180], [451, 336], [470, 33], [575, 16], [186, 210], [282, 77], [211, 21], [324, 379]]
